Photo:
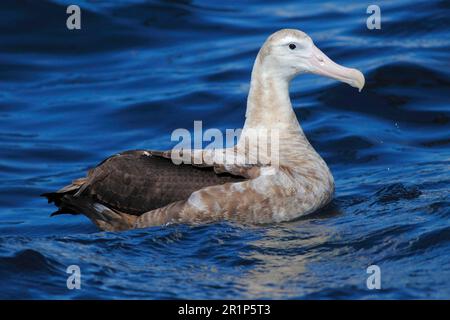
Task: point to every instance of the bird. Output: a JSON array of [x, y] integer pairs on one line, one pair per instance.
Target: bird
[[144, 188]]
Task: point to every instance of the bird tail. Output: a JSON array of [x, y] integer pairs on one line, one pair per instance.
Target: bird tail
[[59, 196], [70, 200]]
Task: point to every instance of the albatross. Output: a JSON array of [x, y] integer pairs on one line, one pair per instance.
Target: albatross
[[143, 188]]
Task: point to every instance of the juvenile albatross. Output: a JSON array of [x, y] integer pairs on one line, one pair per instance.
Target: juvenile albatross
[[138, 189]]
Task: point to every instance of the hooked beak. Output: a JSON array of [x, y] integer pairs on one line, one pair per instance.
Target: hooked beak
[[322, 65]]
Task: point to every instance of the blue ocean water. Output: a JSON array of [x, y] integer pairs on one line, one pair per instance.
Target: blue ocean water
[[139, 69]]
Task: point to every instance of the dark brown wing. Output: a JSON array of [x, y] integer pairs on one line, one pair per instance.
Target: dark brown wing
[[139, 181]]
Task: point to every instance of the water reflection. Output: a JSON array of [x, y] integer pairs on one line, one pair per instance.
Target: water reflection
[[285, 254]]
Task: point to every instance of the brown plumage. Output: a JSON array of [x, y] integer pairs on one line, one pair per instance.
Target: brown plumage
[[135, 182]]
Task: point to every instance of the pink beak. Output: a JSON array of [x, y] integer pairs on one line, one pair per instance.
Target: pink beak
[[322, 65]]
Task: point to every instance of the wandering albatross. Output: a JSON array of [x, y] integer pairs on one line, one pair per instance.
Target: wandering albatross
[[142, 188]]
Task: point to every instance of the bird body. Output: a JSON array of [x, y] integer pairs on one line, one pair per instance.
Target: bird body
[[138, 189]]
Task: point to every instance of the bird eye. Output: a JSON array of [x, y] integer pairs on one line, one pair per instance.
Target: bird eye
[[292, 46]]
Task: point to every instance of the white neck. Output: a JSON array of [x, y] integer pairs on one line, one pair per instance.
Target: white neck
[[268, 103], [269, 106]]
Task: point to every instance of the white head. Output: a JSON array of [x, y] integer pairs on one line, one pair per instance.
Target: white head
[[289, 52]]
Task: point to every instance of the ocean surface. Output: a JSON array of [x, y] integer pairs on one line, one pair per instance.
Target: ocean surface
[[138, 69]]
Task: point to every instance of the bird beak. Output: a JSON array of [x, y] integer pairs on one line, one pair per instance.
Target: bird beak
[[322, 65]]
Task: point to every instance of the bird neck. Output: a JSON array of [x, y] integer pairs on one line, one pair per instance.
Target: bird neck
[[272, 123], [269, 105]]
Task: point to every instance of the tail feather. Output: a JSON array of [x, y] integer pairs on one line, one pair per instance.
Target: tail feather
[[58, 197], [70, 201]]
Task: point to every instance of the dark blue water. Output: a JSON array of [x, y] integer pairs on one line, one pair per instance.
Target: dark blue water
[[140, 69]]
